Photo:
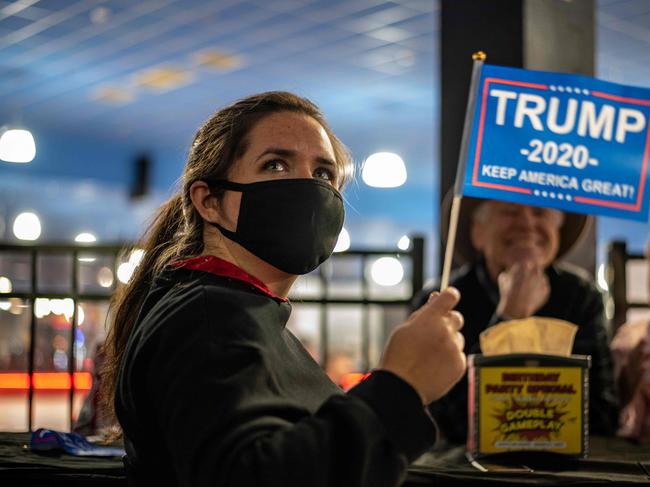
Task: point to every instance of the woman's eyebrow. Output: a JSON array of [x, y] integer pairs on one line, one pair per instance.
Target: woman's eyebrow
[[278, 151], [326, 161]]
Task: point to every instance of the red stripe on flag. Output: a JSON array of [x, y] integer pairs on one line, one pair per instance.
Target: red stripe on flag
[[624, 99]]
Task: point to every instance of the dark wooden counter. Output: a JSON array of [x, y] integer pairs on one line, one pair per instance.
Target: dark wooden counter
[[612, 461]]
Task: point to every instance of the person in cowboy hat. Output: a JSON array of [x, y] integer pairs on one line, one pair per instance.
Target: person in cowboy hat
[[509, 254]]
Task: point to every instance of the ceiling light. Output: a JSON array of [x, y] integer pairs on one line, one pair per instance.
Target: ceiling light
[[163, 78], [384, 170], [343, 242], [404, 243], [113, 95], [86, 258], [85, 237], [27, 226], [5, 285], [17, 146], [100, 15], [219, 60], [387, 271]]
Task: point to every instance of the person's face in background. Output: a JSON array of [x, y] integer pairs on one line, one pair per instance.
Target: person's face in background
[[509, 233], [284, 145]]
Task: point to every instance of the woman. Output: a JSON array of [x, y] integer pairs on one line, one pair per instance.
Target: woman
[[209, 386]]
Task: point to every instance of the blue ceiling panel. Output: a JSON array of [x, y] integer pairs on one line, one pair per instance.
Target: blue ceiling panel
[[76, 71], [280, 39], [12, 24]]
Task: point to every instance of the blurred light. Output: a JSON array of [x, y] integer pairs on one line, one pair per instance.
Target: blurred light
[[16, 306], [105, 277], [602, 280], [42, 307], [351, 379], [343, 242], [135, 257], [27, 226], [18, 380], [86, 258], [100, 15], [60, 360], [63, 307], [17, 146], [384, 170], [79, 337], [46, 380], [113, 95], [68, 308], [82, 380], [56, 306], [125, 271], [405, 58], [387, 271], [218, 59], [404, 243], [5, 285], [51, 380], [85, 237], [81, 316]]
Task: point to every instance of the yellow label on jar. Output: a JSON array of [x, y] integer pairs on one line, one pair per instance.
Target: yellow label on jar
[[530, 408]]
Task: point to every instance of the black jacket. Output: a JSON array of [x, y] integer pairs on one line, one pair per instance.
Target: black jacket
[[214, 390], [573, 299]]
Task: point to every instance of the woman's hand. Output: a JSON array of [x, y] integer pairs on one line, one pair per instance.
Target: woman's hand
[[427, 350]]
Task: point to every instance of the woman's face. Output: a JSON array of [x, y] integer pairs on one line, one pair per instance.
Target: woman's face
[[284, 145]]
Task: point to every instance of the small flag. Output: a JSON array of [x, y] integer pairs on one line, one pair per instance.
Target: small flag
[[563, 141]]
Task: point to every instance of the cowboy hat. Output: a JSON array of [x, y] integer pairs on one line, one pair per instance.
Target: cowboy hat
[[572, 229]]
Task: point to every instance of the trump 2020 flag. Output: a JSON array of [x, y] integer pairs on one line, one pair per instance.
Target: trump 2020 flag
[[559, 140]]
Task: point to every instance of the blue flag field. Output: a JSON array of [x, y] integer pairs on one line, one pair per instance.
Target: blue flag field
[[558, 140]]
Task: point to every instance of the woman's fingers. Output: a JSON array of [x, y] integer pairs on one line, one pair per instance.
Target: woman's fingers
[[460, 340], [456, 319], [433, 295], [443, 302]]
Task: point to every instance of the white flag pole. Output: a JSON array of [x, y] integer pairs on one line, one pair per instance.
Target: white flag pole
[[479, 59]]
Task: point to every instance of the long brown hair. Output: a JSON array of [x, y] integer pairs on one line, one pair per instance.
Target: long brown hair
[[176, 231]]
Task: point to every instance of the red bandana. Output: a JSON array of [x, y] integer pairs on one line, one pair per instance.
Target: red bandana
[[219, 267]]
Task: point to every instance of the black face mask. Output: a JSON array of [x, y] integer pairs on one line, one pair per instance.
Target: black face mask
[[292, 224]]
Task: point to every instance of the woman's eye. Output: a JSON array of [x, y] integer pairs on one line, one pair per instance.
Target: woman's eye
[[274, 166], [324, 173]]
